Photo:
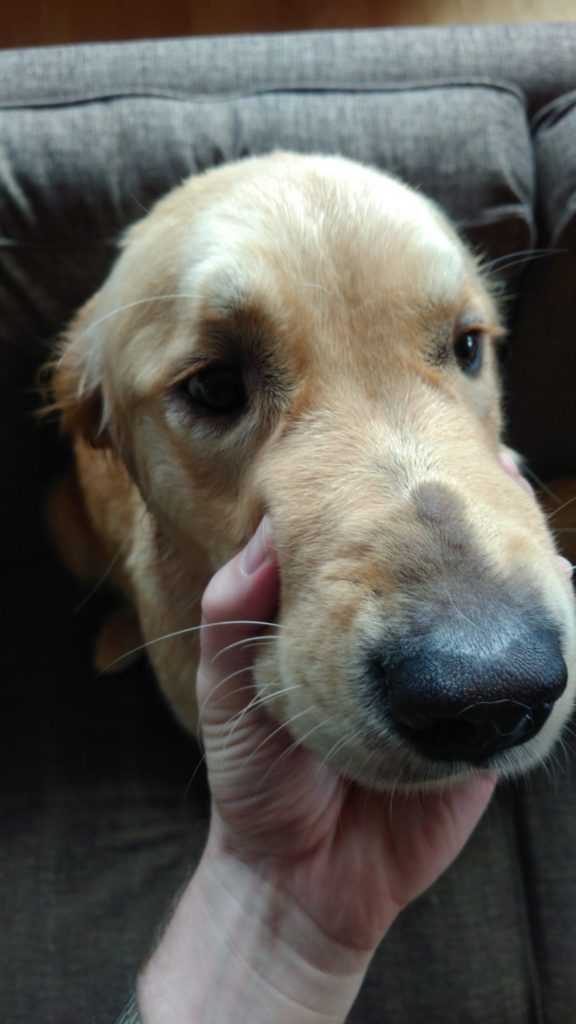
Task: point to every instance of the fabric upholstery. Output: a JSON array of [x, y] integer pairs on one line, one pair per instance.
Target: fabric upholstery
[[539, 59], [103, 807], [543, 370]]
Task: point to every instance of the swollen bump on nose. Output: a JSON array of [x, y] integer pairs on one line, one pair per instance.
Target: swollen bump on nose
[[434, 503], [436, 506]]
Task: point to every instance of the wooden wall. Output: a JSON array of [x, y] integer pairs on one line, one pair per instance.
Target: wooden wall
[[37, 22]]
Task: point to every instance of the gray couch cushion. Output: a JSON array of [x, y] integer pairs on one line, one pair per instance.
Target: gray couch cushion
[[75, 174], [546, 820], [543, 364], [538, 58], [470, 937], [103, 809]]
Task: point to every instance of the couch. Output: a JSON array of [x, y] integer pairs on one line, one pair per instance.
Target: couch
[[103, 813]]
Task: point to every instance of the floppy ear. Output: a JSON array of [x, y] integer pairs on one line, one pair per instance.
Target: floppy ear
[[76, 381]]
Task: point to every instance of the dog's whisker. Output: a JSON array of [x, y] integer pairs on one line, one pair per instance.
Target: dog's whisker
[[488, 264], [513, 259], [565, 751], [210, 702], [259, 698], [146, 210], [190, 783], [293, 747], [565, 504], [347, 771], [186, 631], [240, 689], [391, 795], [366, 763], [551, 766], [542, 486], [208, 699], [259, 641], [340, 744], [459, 610], [251, 641], [320, 287], [258, 701], [132, 305], [343, 787], [104, 577], [264, 699], [284, 727], [109, 569], [520, 262]]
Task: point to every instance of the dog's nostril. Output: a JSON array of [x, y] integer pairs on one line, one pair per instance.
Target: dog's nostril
[[478, 732], [466, 701]]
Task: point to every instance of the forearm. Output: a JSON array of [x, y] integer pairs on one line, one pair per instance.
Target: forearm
[[237, 950]]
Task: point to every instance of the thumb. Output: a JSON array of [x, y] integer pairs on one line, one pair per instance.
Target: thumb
[[238, 604]]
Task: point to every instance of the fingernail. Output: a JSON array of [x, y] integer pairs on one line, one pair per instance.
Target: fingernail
[[567, 566], [258, 548], [509, 464], [512, 468]]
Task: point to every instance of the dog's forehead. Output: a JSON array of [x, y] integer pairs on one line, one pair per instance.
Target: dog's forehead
[[363, 237], [319, 246]]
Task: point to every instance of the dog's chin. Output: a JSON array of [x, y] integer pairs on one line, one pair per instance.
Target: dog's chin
[[392, 766], [407, 777], [413, 774]]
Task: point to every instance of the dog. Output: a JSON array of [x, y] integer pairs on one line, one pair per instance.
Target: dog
[[309, 338]]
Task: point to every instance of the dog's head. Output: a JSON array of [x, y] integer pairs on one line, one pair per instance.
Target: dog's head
[[309, 338]]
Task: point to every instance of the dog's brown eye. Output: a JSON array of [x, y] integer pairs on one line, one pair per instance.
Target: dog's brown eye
[[468, 349], [217, 390]]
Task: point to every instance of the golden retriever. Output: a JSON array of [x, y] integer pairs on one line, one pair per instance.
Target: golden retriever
[[309, 338]]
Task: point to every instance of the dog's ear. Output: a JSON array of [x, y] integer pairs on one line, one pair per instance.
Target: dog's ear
[[76, 384]]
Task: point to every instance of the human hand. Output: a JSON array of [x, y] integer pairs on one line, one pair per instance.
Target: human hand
[[349, 860], [303, 871]]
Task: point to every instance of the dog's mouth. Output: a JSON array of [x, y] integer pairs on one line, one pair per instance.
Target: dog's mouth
[[449, 705]]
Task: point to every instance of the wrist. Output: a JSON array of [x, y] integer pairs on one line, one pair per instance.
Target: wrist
[[238, 949]]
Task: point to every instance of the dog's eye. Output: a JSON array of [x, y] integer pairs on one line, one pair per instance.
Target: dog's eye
[[468, 349], [217, 390]]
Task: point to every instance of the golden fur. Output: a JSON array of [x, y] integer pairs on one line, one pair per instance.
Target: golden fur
[[340, 292]]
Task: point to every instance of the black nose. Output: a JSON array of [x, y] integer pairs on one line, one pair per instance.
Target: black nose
[[467, 697]]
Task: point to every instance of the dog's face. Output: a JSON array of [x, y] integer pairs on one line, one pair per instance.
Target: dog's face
[[309, 338]]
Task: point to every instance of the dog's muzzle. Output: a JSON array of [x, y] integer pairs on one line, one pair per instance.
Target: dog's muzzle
[[467, 693]]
